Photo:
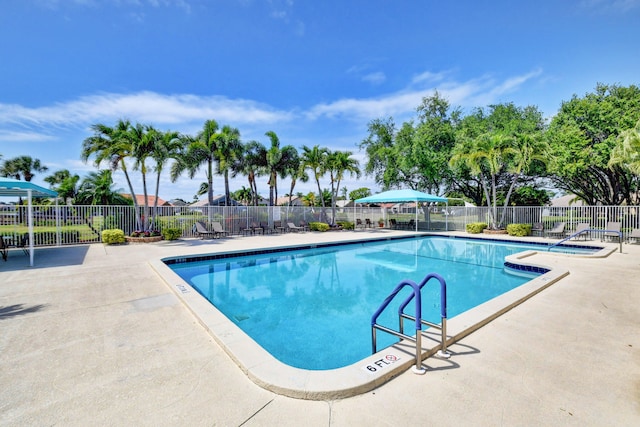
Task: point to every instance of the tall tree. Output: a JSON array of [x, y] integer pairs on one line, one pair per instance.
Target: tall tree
[[278, 162], [201, 151], [315, 159], [252, 163], [582, 136], [112, 145], [228, 149], [505, 141], [626, 152], [339, 163], [22, 167], [167, 146], [296, 172], [416, 155]]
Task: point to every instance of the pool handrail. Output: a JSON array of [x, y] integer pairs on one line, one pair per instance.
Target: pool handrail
[[588, 230], [443, 312], [418, 339]]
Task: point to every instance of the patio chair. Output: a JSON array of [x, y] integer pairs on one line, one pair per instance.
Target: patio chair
[[359, 223], [612, 231], [292, 227], [393, 224], [265, 227], [201, 230], [537, 229], [411, 225], [4, 250], [367, 223], [218, 230], [304, 225], [278, 227], [581, 231], [557, 231], [634, 235], [254, 228]]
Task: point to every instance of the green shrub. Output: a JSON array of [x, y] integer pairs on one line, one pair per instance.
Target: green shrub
[[171, 233], [346, 225], [519, 230], [476, 227], [318, 226], [113, 236]]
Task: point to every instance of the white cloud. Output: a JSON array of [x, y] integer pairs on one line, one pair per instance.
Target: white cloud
[[611, 5], [375, 78], [146, 107], [475, 92], [18, 136]]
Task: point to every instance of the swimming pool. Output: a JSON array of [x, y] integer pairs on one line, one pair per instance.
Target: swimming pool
[[311, 308]]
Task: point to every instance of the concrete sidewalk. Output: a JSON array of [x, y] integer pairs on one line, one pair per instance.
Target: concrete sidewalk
[[92, 336]]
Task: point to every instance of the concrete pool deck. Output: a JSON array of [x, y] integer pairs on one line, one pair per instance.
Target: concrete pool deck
[[92, 335]]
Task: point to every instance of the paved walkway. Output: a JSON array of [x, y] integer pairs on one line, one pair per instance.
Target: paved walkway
[[92, 336]]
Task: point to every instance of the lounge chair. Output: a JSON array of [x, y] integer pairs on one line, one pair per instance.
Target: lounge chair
[[581, 231], [218, 230], [634, 235], [304, 225], [612, 231], [292, 227], [537, 229], [201, 230], [557, 231], [4, 250]]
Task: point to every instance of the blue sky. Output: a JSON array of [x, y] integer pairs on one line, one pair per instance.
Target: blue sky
[[314, 72]]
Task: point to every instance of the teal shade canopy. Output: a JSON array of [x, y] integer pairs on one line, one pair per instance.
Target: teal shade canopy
[[401, 196], [10, 187]]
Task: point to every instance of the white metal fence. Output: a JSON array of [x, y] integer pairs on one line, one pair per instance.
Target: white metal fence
[[66, 225]]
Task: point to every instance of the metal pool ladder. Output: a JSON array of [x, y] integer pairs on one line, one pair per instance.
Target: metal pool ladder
[[417, 297]]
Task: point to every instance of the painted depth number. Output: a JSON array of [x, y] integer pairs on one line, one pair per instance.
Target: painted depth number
[[379, 364]]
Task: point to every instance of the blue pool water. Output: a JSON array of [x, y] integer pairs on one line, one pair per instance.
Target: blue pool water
[[311, 308]]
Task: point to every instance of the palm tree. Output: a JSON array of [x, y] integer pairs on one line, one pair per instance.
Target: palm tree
[[485, 156], [252, 163], [113, 145], [338, 163], [167, 146], [228, 148], [65, 184], [22, 167], [200, 151], [627, 150], [96, 189], [244, 195], [297, 172], [143, 139], [316, 159], [279, 161]]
